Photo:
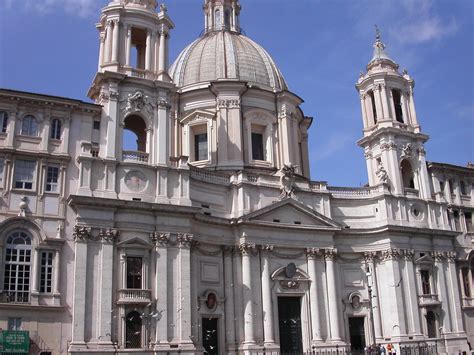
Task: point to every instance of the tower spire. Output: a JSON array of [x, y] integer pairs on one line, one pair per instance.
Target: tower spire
[[379, 48], [221, 15]]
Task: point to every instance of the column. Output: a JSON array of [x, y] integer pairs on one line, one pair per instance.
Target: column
[[365, 117], [411, 99], [404, 103], [45, 133], [108, 41], [394, 305], [334, 305], [441, 290], [101, 50], [184, 291], [110, 117], [115, 41], [410, 288], [238, 299], [161, 289], [229, 296], [156, 40], [162, 52], [34, 275], [128, 45], [162, 136], [11, 130], [383, 92], [370, 262], [312, 254], [81, 235], [107, 237], [246, 250], [269, 338], [57, 265], [148, 51], [453, 294], [378, 101]]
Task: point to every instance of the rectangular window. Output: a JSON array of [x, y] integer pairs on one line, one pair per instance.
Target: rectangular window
[[96, 125], [52, 179], [14, 323], [3, 121], [24, 174], [425, 282], [2, 167], [465, 281], [46, 272], [200, 147], [468, 217], [257, 146], [134, 272]]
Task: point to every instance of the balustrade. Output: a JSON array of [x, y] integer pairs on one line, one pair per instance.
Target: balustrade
[[134, 156]]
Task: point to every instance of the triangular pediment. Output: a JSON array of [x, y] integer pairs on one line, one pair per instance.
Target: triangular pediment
[[290, 212], [135, 242], [425, 259]]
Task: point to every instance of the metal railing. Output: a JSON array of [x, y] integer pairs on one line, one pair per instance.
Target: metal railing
[[134, 296], [419, 349]]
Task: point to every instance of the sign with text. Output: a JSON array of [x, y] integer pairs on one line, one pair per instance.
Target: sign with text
[[14, 341]]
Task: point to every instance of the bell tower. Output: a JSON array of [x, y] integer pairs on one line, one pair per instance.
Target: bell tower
[[393, 142], [221, 15], [134, 39]]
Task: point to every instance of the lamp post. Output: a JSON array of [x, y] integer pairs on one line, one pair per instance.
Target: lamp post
[[370, 280]]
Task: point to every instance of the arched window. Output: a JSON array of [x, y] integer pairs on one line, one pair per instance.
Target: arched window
[[218, 19], [407, 174], [29, 126], [133, 330], [227, 19], [374, 108], [397, 102], [135, 139], [17, 267], [431, 324], [3, 121], [55, 129]]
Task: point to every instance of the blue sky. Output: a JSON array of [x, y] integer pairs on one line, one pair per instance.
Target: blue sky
[[51, 47]]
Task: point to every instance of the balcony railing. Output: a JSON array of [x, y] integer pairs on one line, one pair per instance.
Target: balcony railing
[[130, 155], [428, 300], [20, 297], [131, 295]]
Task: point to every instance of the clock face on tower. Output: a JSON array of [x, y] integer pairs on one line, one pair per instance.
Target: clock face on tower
[[135, 180]]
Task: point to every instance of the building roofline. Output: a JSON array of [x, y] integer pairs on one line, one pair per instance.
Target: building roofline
[[446, 166], [46, 97]]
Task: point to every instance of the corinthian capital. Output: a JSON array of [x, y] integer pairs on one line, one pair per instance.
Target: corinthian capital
[[246, 248], [330, 254], [81, 233], [109, 235], [390, 254], [185, 240]]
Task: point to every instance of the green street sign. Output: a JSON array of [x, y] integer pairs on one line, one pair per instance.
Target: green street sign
[[14, 341]]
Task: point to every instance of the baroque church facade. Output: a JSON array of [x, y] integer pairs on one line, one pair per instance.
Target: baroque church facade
[[210, 237]]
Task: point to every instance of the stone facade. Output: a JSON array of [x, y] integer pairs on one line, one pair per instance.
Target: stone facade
[[210, 235]]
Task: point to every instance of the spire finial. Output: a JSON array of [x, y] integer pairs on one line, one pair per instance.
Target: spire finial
[[379, 48]]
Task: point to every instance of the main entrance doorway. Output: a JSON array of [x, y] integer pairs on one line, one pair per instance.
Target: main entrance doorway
[[210, 338], [289, 314], [357, 333]]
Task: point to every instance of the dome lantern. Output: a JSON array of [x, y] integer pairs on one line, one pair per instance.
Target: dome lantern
[[221, 15]]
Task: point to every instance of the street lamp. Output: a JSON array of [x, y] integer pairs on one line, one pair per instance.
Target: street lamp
[[370, 283]]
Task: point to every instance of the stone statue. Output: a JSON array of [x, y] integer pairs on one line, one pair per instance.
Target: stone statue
[[163, 8], [381, 173], [23, 206], [287, 180], [136, 102], [149, 4], [406, 151]]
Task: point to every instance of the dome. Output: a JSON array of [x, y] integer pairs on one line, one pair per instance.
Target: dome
[[226, 55]]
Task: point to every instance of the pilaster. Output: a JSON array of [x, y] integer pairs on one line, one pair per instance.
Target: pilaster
[[334, 305], [312, 254]]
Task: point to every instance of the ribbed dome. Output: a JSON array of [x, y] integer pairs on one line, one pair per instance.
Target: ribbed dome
[[226, 55]]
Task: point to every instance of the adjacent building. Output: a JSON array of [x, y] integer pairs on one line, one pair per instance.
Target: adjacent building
[[209, 235]]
